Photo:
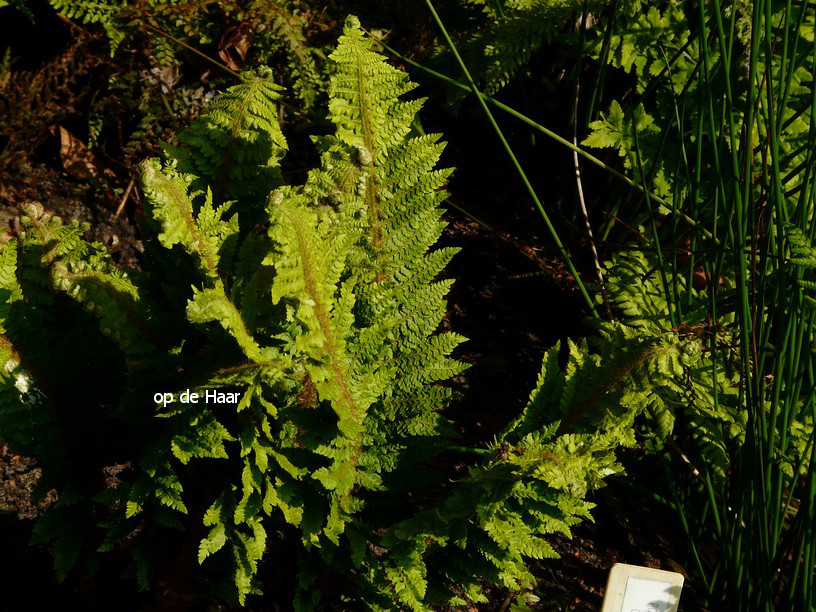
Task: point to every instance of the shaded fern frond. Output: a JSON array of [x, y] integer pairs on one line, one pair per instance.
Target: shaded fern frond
[[509, 34], [802, 251], [235, 149], [102, 12]]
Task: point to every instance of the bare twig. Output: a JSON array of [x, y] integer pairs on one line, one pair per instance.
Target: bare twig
[[507, 601], [123, 201], [596, 260], [590, 237]]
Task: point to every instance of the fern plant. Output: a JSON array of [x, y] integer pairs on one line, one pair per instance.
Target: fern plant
[[290, 333]]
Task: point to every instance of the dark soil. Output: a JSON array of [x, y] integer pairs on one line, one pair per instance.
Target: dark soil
[[61, 196]]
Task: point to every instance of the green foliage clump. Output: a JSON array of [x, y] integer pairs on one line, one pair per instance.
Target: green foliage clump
[[709, 370], [509, 33], [267, 32], [316, 308], [237, 146], [719, 135], [541, 469]]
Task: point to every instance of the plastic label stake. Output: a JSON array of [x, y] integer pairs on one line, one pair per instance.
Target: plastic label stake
[[631, 588]]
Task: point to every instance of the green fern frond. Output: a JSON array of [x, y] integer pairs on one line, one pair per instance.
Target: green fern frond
[[235, 149], [508, 36], [104, 13], [803, 253], [388, 192], [685, 378], [85, 272], [287, 31], [309, 263]]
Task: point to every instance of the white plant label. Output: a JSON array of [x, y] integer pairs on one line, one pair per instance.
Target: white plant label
[[632, 588], [646, 595]]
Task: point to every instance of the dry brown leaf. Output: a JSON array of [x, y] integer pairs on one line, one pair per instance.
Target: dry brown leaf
[[77, 159], [234, 45]]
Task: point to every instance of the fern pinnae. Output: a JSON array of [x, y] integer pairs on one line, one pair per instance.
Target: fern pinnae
[[235, 149], [85, 273], [309, 265], [202, 236], [291, 217], [112, 298], [609, 379], [167, 192], [369, 121]]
